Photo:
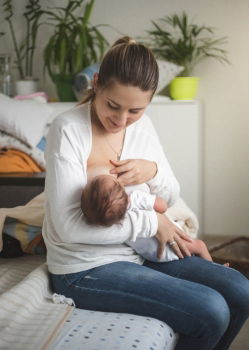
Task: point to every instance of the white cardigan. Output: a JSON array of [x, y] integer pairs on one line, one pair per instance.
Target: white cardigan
[[72, 244]]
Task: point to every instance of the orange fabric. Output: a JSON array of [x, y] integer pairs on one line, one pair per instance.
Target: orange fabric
[[13, 160]]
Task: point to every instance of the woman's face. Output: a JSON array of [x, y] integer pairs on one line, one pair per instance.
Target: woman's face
[[119, 105]]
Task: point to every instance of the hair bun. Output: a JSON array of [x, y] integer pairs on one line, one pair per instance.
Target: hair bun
[[124, 40]]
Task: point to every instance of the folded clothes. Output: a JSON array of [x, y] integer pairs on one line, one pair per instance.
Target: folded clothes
[[12, 160], [36, 153], [29, 237]]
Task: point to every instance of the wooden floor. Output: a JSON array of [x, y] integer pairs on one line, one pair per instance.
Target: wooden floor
[[214, 241], [242, 340]]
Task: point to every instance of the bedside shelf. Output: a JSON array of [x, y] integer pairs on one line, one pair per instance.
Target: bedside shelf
[[19, 188], [22, 179]]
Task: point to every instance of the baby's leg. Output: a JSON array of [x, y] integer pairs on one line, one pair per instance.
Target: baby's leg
[[199, 248]]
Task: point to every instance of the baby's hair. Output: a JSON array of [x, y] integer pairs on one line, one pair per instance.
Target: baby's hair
[[128, 63], [103, 205]]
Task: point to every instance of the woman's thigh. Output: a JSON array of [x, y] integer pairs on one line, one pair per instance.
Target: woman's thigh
[[230, 283], [131, 288]]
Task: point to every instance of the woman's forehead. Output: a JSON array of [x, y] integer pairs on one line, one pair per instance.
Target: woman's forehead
[[127, 96]]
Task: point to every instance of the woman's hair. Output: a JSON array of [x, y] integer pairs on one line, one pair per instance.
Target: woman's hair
[[128, 63], [103, 205]]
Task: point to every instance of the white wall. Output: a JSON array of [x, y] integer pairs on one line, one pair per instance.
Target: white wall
[[223, 91]]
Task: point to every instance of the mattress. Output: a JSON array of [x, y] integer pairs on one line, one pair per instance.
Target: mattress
[[94, 330]]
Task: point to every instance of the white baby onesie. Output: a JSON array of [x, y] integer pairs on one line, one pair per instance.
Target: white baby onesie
[[147, 247]]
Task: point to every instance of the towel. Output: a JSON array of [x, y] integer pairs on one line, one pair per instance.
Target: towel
[[184, 217], [13, 160]]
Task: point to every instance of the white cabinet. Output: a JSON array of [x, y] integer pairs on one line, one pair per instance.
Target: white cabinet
[[178, 124]]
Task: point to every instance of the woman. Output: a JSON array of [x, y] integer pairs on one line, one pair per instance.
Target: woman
[[204, 302]]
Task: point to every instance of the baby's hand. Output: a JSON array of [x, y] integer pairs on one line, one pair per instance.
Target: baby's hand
[[160, 205]]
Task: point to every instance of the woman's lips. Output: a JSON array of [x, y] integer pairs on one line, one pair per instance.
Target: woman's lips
[[113, 124]]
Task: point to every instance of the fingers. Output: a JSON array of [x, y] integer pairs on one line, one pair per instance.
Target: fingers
[[119, 162], [182, 247], [126, 179], [121, 167], [176, 249], [183, 235]]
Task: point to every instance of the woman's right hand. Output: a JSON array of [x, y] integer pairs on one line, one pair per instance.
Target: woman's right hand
[[168, 233]]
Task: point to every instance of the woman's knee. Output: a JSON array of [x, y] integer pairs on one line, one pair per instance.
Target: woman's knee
[[237, 290], [216, 314]]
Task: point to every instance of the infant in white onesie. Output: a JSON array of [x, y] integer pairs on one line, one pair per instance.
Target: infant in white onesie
[[105, 202]]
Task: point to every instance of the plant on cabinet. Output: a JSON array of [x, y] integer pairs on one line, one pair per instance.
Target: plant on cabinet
[[176, 40], [74, 45], [24, 51]]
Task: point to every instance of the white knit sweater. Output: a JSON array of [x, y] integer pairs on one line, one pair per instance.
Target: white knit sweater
[[72, 244]]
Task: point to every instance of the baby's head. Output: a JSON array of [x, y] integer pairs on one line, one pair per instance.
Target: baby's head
[[104, 201]]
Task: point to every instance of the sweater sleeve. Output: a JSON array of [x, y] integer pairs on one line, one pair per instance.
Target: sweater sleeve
[[65, 180], [164, 184], [141, 200]]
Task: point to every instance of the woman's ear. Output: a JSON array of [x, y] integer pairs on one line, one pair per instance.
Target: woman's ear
[[95, 81]]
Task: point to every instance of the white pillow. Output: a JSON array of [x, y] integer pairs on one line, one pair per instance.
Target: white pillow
[[24, 120], [167, 72]]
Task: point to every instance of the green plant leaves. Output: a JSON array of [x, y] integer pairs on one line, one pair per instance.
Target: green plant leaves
[[78, 43], [186, 44], [25, 51]]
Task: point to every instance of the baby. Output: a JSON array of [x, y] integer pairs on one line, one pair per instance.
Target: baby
[[105, 202]]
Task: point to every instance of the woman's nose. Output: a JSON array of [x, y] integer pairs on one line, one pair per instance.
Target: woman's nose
[[122, 118]]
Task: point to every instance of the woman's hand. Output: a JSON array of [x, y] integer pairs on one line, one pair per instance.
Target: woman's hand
[[133, 171], [168, 233]]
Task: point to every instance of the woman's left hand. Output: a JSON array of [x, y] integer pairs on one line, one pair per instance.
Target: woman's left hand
[[133, 171]]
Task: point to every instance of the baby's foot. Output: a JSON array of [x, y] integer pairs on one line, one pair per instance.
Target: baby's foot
[[227, 264]]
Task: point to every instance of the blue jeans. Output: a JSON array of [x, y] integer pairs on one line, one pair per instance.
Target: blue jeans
[[206, 303]]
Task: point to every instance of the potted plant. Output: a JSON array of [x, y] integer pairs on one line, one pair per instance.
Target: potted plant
[[176, 40], [25, 50], [74, 45]]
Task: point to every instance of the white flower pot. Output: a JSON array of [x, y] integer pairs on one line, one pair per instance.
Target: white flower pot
[[26, 87]]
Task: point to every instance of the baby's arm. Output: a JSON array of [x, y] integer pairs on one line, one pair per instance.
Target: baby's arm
[[146, 201], [160, 205]]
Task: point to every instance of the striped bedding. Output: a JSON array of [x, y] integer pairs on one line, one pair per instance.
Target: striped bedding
[[28, 317]]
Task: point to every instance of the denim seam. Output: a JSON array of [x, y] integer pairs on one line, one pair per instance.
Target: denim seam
[[204, 326]]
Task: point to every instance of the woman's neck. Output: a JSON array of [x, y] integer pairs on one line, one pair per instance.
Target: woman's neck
[[96, 124]]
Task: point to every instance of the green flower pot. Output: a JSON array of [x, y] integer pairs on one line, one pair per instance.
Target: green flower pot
[[64, 87], [184, 88]]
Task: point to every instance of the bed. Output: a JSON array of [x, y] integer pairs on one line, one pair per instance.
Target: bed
[[31, 316]]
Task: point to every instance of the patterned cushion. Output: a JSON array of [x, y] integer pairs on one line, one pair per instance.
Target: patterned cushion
[[167, 72], [92, 330]]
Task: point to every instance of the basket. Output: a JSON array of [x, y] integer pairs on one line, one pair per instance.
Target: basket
[[236, 252]]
